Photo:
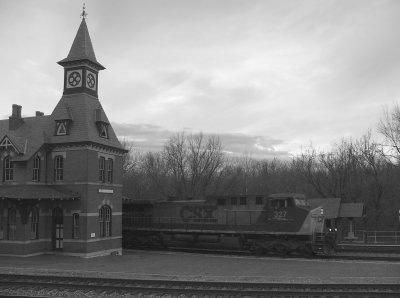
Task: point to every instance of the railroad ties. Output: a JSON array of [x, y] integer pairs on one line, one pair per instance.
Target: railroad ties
[[57, 286]]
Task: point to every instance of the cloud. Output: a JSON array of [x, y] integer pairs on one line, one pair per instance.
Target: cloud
[[297, 73], [148, 137]]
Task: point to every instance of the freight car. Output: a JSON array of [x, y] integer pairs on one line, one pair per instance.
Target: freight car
[[280, 223]]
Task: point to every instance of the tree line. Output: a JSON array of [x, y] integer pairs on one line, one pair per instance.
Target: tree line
[[362, 170]]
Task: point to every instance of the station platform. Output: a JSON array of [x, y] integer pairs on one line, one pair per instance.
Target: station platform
[[138, 264]]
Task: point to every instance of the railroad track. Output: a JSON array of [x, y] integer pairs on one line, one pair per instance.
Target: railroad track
[[53, 286]]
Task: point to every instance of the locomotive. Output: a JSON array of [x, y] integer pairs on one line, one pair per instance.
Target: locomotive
[[280, 223]]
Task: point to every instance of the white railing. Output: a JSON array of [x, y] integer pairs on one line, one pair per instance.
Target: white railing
[[375, 237]]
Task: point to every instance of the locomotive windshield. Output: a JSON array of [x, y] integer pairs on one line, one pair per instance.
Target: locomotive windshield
[[281, 203], [300, 202]]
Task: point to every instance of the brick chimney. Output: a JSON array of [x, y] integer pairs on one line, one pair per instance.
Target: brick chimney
[[39, 114], [15, 120]]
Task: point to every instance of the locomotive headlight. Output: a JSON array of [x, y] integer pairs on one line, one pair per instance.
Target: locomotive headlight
[[322, 211]]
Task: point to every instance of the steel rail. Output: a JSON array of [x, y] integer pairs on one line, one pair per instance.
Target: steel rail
[[57, 286]]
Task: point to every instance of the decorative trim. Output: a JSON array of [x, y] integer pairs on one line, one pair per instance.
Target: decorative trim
[[106, 156], [90, 145], [26, 241], [91, 240], [56, 153], [88, 214]]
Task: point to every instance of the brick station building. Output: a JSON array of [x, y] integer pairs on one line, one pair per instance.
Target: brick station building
[[60, 178]]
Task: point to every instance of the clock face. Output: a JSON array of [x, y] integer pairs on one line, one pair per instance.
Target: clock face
[[91, 80], [74, 78]]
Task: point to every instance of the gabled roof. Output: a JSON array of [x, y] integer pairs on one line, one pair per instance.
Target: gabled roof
[[6, 141], [82, 48], [28, 138], [331, 206]]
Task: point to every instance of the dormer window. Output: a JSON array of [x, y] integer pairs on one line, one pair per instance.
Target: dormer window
[[102, 126], [103, 130], [62, 127], [6, 144]]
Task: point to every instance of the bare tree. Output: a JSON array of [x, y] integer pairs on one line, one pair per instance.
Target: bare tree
[[389, 127], [329, 173], [377, 173], [187, 165]]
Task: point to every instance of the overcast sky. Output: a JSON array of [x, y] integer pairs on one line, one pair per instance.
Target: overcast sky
[[267, 76]]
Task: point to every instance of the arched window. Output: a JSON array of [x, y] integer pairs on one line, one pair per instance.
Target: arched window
[[35, 223], [8, 169], [58, 168], [12, 223], [105, 221], [75, 226], [36, 169]]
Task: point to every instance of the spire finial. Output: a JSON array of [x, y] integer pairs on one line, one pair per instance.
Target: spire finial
[[84, 14]]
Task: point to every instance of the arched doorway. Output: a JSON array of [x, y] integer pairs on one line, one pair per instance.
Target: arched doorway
[[58, 228]]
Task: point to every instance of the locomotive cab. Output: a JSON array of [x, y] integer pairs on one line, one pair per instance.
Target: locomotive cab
[[286, 207]]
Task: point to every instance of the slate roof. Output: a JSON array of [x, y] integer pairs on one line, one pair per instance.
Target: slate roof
[[35, 192], [81, 108], [82, 48], [331, 206], [40, 130], [28, 138]]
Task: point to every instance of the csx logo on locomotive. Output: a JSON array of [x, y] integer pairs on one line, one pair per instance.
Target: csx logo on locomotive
[[198, 214]]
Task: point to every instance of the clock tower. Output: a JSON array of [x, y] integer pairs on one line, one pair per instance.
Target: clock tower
[[81, 68]]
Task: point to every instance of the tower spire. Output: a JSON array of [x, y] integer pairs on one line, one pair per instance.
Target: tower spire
[[82, 48], [81, 67]]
